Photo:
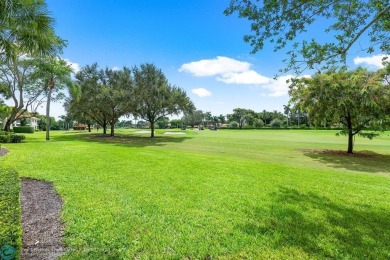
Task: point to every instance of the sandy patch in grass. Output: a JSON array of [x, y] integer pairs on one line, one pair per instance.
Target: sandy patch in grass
[[174, 133], [3, 151], [143, 132]]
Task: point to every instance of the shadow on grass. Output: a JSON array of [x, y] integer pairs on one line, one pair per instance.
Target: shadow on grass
[[124, 140], [363, 161], [320, 227]]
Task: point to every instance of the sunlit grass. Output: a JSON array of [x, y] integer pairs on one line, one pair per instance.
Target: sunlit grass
[[223, 194]]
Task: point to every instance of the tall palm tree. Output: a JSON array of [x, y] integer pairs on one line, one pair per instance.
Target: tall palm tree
[[26, 27]]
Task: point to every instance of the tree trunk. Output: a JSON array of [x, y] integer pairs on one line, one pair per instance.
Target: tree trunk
[[89, 127], [48, 113], [152, 129], [11, 119], [105, 128], [350, 141], [299, 115], [7, 126], [112, 129]]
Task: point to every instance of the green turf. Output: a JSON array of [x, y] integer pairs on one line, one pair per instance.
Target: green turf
[[10, 230], [219, 194]]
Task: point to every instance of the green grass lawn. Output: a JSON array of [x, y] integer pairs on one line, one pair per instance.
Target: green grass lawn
[[10, 230], [219, 194]]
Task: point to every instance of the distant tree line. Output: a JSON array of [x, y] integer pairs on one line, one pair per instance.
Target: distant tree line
[[246, 118]]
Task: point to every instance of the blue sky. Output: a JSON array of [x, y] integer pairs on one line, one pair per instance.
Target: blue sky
[[197, 47]]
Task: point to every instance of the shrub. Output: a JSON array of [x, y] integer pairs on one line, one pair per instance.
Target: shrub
[[5, 138], [24, 129], [17, 138], [276, 123], [258, 123], [234, 124]]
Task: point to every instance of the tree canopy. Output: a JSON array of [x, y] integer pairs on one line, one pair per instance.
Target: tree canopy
[[242, 116], [356, 100], [344, 21], [102, 95], [193, 118], [155, 98], [26, 27], [16, 83]]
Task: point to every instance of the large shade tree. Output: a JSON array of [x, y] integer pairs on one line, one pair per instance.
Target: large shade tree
[[193, 118], [117, 93], [101, 95], [84, 99], [282, 22], [242, 116], [155, 98], [16, 84], [356, 100]]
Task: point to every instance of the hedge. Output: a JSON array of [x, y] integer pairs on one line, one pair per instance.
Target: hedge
[[5, 138], [24, 129], [11, 138]]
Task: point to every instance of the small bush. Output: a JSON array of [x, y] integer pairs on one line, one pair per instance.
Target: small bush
[[233, 124], [24, 129], [258, 123], [276, 123], [17, 138], [5, 138]]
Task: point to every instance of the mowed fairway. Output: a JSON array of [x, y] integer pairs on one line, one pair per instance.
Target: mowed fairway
[[225, 194]]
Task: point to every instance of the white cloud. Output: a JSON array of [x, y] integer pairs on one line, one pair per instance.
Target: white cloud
[[249, 77], [212, 67], [230, 71], [116, 68], [279, 87], [201, 92], [226, 70], [373, 61], [75, 66]]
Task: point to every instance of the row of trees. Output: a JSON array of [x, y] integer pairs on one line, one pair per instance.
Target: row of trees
[[105, 95], [31, 73]]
